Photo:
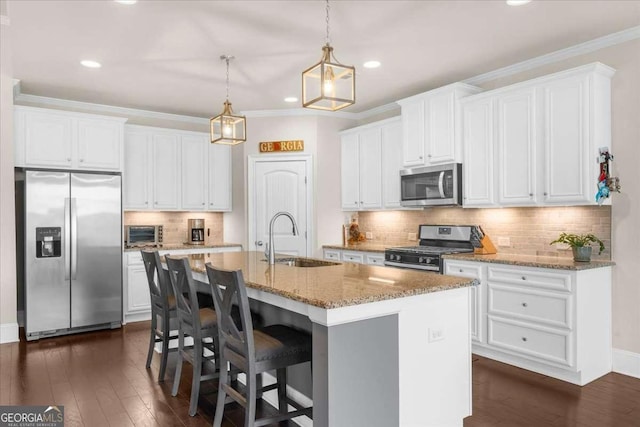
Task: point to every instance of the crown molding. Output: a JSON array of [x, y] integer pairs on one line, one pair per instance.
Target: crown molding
[[4, 20], [557, 56], [109, 109], [298, 112]]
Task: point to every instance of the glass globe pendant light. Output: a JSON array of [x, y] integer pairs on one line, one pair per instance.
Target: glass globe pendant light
[[328, 85], [228, 128]]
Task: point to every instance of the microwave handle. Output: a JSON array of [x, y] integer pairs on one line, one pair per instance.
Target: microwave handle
[[441, 184]]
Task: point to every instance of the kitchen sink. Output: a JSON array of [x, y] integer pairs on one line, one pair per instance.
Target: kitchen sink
[[304, 262]]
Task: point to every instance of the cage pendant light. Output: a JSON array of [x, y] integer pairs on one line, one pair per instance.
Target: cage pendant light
[[328, 85], [228, 128]]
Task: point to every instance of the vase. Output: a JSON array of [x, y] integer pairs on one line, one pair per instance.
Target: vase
[[582, 254]]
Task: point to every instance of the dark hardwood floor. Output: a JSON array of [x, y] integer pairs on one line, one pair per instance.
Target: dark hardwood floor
[[101, 380]]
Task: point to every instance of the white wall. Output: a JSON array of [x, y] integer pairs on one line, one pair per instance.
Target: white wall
[[8, 313]]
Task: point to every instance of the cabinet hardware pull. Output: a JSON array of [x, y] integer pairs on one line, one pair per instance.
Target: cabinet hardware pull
[[530, 194], [524, 304], [460, 270], [429, 155], [524, 339], [544, 193], [420, 157], [68, 159], [81, 160], [524, 278]]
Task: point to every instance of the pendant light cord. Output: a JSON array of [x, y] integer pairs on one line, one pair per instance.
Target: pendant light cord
[[327, 37], [227, 59]]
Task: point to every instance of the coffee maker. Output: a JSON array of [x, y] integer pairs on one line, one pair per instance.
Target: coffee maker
[[196, 231]]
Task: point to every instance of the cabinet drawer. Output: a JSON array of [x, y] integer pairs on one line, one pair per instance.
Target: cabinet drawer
[[554, 309], [531, 341], [333, 255], [529, 277], [375, 259], [357, 257], [463, 270]]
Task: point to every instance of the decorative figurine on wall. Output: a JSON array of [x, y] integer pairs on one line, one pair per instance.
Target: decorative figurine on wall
[[606, 183]]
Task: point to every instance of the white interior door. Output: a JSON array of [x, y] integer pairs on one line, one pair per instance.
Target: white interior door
[[280, 186]]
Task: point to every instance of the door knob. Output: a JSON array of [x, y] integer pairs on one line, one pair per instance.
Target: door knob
[[259, 243]]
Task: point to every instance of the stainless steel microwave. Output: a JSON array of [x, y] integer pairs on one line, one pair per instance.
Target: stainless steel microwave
[[143, 235], [431, 186]]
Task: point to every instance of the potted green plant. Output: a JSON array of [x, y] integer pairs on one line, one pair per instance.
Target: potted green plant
[[580, 244]]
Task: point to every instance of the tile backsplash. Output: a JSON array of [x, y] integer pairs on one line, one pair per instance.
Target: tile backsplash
[[175, 227], [528, 230]]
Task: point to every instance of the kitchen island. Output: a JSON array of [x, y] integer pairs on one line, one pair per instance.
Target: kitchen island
[[391, 347]]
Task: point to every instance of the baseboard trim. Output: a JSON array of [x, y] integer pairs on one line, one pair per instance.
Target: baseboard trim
[[271, 397], [9, 333], [626, 363]]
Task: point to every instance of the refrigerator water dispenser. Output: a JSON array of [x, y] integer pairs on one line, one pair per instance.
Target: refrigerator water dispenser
[[48, 242]]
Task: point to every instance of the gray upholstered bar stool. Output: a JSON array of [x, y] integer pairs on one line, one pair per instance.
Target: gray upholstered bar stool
[[198, 323], [253, 351], [163, 308]]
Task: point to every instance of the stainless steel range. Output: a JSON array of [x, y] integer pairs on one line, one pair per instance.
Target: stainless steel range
[[435, 241]]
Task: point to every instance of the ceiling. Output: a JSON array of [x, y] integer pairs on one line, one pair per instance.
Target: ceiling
[[164, 55]]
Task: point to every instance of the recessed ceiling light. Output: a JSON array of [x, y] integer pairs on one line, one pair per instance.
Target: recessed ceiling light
[[291, 99], [127, 2], [371, 64], [90, 64], [517, 2]]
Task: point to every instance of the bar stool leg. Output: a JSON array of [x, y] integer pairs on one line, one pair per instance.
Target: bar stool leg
[[250, 410], [165, 348], [152, 338], [223, 378], [176, 378], [197, 372], [281, 375]]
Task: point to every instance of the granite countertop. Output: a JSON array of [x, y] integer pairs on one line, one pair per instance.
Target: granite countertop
[[331, 286], [179, 246], [532, 261], [364, 247]]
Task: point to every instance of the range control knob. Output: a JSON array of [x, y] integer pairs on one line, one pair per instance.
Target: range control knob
[[398, 258], [421, 260]]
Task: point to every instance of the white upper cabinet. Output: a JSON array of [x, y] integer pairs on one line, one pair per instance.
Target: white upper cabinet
[[431, 126], [219, 177], [168, 169], [195, 161], [478, 166], [136, 178], [570, 142], [63, 140], [516, 135], [371, 163], [391, 163], [546, 132]]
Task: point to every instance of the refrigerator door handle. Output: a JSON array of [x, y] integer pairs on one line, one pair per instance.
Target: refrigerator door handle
[[74, 235], [67, 237]]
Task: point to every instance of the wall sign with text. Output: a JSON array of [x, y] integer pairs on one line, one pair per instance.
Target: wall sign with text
[[275, 146]]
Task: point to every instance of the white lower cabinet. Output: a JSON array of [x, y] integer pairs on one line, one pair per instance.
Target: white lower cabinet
[[555, 322], [136, 296], [358, 257]]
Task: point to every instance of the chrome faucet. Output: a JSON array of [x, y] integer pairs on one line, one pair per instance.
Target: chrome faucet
[[269, 251]]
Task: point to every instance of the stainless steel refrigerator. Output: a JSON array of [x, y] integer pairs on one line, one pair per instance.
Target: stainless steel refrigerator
[[72, 252]]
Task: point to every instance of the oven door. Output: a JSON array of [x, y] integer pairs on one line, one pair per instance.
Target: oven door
[[431, 186], [141, 235]]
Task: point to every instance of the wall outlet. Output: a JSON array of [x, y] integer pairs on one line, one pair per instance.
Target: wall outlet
[[436, 334], [413, 237], [369, 235], [504, 241]]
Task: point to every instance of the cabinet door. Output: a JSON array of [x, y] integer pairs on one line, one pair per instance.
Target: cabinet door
[[350, 170], [391, 164], [138, 297], [439, 128], [220, 184], [370, 150], [479, 181], [136, 177], [166, 166], [48, 139], [99, 144], [194, 172], [517, 148], [566, 132], [413, 134]]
